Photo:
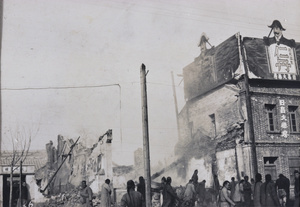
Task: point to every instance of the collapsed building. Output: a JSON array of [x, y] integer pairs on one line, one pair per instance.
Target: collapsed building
[[242, 110], [71, 163]]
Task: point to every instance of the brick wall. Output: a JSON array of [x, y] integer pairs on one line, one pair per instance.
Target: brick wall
[[262, 96]]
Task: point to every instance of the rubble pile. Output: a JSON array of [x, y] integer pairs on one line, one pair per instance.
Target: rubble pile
[[68, 199]]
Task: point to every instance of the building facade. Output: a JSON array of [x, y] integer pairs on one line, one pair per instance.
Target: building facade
[[243, 104], [33, 161]]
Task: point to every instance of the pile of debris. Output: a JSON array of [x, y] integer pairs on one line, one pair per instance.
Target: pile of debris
[[68, 199]]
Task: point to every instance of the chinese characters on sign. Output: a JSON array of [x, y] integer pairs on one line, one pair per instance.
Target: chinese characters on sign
[[283, 119], [16, 169], [282, 62]]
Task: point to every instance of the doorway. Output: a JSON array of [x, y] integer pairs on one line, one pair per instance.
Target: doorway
[[15, 189]]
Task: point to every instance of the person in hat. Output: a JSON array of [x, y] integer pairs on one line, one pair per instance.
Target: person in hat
[[278, 38], [296, 189]]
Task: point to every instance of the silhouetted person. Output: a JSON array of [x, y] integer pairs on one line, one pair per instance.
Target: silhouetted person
[[189, 193], [141, 186], [169, 195], [201, 192], [256, 191], [247, 191], [232, 187], [195, 177], [283, 188], [296, 189], [105, 194], [268, 195], [132, 198]]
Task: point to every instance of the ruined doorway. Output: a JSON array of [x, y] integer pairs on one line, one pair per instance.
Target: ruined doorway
[[294, 164], [270, 166], [15, 190]]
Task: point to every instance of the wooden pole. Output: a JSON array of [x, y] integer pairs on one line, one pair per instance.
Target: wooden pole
[[145, 135], [20, 184], [176, 105], [1, 23]]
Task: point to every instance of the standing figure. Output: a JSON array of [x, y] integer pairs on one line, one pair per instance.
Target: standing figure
[[225, 200], [232, 187], [86, 195], [195, 177], [268, 195], [169, 195], [247, 191], [238, 196], [283, 188], [201, 192], [141, 186], [132, 198], [189, 193], [162, 188], [296, 189], [106, 194], [256, 191]]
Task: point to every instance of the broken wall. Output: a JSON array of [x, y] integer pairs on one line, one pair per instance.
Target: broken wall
[[93, 165]]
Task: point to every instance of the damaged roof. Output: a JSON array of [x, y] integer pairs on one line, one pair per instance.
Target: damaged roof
[[224, 63]]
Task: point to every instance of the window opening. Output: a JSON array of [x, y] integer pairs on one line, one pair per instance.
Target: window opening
[[270, 108], [293, 118]]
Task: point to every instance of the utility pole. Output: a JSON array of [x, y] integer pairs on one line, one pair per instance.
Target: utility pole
[[249, 114], [175, 101], [20, 184], [1, 26], [145, 135]]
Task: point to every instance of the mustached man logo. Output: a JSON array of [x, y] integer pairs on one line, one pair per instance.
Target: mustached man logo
[[281, 53]]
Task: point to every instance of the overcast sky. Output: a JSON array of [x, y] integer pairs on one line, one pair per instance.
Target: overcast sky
[[90, 46]]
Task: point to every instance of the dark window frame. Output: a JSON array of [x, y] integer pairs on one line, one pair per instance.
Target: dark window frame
[[271, 117], [293, 118]]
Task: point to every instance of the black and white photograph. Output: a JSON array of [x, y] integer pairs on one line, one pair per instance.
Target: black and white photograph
[[149, 103]]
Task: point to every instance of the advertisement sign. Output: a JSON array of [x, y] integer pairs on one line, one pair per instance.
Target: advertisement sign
[[282, 61]]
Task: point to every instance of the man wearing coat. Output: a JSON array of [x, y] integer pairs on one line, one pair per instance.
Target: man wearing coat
[[105, 194], [278, 38], [268, 195]]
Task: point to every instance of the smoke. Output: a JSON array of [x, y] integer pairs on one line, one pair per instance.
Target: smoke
[[197, 147]]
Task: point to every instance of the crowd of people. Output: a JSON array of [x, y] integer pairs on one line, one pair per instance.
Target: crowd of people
[[257, 193], [232, 193]]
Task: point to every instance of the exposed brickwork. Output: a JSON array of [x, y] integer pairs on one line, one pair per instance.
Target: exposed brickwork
[[262, 96]]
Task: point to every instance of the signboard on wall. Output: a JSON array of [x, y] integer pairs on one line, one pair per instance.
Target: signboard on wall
[[282, 61], [274, 62], [16, 169]]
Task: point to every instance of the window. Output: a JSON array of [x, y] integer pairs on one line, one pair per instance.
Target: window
[[293, 118], [270, 109]]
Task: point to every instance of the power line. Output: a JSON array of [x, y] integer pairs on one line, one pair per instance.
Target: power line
[[58, 87]]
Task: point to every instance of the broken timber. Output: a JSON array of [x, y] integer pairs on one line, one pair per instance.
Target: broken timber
[[65, 157]]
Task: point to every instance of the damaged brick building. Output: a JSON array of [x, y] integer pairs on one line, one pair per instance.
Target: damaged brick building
[[242, 110]]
